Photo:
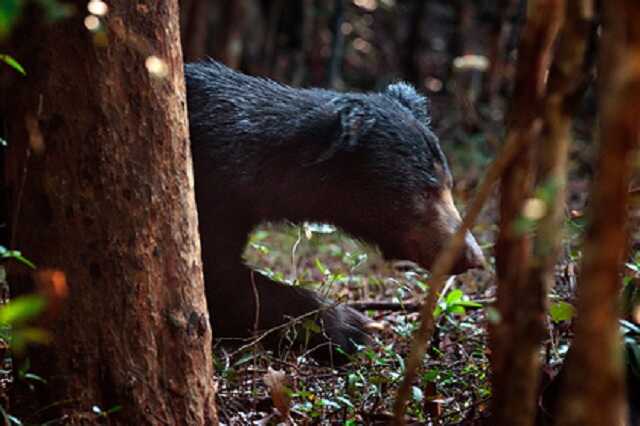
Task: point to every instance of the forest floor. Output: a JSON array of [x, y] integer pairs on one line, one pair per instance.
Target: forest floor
[[454, 385]]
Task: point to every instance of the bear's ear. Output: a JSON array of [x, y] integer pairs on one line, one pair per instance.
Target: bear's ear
[[407, 95], [354, 119]]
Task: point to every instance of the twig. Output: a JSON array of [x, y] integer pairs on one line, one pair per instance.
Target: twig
[[441, 268], [261, 337], [294, 248], [23, 181], [375, 305], [256, 299], [446, 288]]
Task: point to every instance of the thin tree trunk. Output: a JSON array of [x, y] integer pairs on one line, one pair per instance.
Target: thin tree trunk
[[195, 29], [229, 41], [592, 391], [409, 56], [300, 72], [108, 200], [568, 79], [499, 36], [334, 67], [516, 337]]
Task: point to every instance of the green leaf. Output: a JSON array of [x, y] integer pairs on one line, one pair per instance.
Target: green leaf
[[35, 335], [631, 333], [19, 257], [55, 10], [9, 419], [319, 228], [320, 267], [21, 309], [345, 401], [15, 254], [456, 309], [438, 311], [416, 394], [430, 375], [34, 378], [522, 225], [114, 409], [561, 311], [548, 190], [9, 13], [633, 358], [329, 403], [246, 357], [9, 60], [629, 328], [633, 266], [493, 315], [469, 304], [311, 326], [355, 380], [454, 296], [21, 337], [104, 413]]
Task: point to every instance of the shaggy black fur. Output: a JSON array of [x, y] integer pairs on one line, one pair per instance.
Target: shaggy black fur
[[262, 151]]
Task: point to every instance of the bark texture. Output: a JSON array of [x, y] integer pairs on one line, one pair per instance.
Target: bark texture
[[568, 78], [101, 173], [517, 336], [592, 391]]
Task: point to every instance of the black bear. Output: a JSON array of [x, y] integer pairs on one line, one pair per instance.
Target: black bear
[[263, 151]]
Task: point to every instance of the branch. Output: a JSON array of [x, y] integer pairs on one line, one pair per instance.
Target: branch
[[441, 268]]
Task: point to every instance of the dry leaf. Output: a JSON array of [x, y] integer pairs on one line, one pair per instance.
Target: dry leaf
[[277, 382]]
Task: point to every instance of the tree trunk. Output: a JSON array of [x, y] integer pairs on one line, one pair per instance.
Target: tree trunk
[[195, 22], [228, 44], [334, 67], [592, 391], [409, 55], [517, 336], [100, 169]]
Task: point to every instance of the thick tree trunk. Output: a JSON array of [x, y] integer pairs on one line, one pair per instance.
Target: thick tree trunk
[[107, 198]]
